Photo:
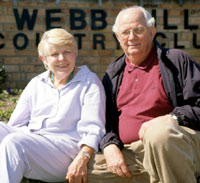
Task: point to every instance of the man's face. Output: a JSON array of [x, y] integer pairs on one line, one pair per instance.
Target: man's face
[[135, 37]]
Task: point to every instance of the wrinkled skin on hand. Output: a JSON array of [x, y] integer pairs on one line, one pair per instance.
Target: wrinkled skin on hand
[[115, 161], [77, 171]]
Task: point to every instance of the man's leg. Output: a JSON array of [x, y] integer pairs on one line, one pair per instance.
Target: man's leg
[[172, 153], [133, 154]]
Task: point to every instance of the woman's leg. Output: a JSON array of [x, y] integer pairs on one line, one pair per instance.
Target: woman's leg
[[4, 130], [32, 156]]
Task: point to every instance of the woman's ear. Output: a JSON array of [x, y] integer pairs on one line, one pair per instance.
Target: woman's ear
[[41, 58]]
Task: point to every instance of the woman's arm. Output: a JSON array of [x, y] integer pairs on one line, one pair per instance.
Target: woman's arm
[[21, 115]]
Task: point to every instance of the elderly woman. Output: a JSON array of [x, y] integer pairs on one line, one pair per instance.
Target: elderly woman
[[58, 121]]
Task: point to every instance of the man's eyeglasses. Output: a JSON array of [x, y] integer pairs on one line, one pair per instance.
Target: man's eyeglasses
[[137, 31]]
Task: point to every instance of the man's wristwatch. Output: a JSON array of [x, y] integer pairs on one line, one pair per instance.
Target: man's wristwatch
[[86, 154], [175, 118]]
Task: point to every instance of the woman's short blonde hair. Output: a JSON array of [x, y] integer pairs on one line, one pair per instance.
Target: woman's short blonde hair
[[56, 37]]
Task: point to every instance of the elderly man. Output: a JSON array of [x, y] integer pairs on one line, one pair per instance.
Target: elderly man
[[153, 109]]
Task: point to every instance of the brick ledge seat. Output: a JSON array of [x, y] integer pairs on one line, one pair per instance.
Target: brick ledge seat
[[25, 180]]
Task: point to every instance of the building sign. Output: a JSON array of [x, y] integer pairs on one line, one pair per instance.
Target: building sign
[[77, 19]]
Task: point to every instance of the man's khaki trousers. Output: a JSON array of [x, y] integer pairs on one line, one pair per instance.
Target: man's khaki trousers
[[168, 154]]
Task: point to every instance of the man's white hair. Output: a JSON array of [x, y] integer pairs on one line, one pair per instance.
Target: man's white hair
[[150, 21]]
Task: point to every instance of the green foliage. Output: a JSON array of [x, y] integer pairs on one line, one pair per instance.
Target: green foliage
[[3, 95], [8, 101], [3, 75], [5, 115]]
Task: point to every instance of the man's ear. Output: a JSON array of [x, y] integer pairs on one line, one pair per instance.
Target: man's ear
[[153, 31], [118, 37]]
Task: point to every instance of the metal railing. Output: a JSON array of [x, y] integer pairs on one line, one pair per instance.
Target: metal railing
[[100, 2], [15, 2]]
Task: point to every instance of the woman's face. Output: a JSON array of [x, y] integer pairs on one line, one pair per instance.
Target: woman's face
[[60, 60]]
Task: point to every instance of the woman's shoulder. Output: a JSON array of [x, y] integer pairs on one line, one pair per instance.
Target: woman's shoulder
[[86, 74], [89, 77], [38, 79]]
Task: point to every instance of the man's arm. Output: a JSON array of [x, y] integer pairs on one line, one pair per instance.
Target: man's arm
[[185, 80], [111, 136], [189, 112]]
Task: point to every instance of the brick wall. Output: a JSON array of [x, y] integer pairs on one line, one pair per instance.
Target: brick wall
[[177, 26]]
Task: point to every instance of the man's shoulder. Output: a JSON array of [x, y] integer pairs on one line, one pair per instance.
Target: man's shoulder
[[176, 52], [172, 53], [179, 57]]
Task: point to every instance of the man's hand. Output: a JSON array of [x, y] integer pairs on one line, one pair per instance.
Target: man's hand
[[115, 161], [153, 122]]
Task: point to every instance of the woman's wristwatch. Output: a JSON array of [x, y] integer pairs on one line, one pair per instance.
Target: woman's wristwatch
[[86, 154]]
